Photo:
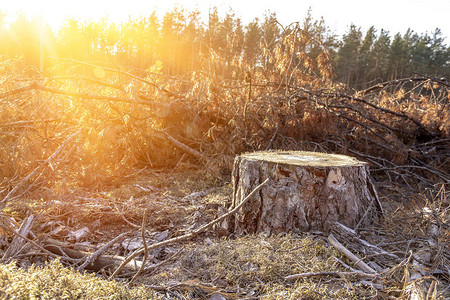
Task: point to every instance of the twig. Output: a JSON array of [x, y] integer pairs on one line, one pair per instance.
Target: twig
[[391, 82], [332, 273], [16, 91], [144, 242], [402, 115], [47, 161], [97, 253], [123, 73], [374, 203], [273, 137], [18, 241], [188, 235], [35, 244], [123, 217], [27, 122], [157, 265], [144, 100], [345, 265], [185, 148], [360, 264]]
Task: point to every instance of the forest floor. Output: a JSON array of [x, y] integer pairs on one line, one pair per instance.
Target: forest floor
[[215, 265]]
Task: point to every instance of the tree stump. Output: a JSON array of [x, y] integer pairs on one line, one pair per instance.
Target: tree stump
[[306, 191]]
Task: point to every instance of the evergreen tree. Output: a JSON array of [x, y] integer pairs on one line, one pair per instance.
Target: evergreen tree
[[421, 53], [226, 47], [71, 42], [380, 53], [171, 32], [408, 44], [191, 41], [398, 57], [251, 43], [365, 59], [440, 54], [238, 47], [270, 34], [346, 63], [227, 51]]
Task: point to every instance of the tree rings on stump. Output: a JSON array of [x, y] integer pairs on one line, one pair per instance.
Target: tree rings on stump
[[306, 191]]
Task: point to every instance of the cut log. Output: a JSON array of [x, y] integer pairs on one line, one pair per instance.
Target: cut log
[[306, 191]]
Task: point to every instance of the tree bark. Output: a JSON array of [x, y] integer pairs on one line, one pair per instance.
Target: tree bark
[[306, 191]]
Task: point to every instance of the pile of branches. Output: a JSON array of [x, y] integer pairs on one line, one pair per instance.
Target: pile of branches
[[84, 124], [95, 124]]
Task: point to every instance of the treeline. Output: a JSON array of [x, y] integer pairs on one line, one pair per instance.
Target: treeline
[[181, 43], [364, 58]]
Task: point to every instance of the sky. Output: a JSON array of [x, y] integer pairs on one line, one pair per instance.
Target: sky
[[392, 15]]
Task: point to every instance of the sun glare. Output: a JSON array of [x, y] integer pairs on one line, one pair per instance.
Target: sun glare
[[55, 13], [337, 14]]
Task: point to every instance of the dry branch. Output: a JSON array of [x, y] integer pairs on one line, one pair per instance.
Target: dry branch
[[38, 168], [144, 242], [170, 93], [35, 244], [358, 262], [18, 242], [145, 100], [93, 257], [392, 82], [186, 149], [188, 235], [385, 110], [332, 273]]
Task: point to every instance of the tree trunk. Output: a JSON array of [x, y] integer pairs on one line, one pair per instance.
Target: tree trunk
[[306, 191]]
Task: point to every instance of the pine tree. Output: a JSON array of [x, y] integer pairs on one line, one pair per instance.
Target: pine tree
[[270, 34], [227, 52], [398, 57], [251, 43], [440, 53], [365, 59], [380, 54], [346, 60], [421, 53]]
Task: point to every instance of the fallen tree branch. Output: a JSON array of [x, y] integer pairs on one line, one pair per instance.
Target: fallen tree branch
[[97, 253], [35, 244], [18, 242], [123, 217], [392, 82], [332, 273], [35, 86], [101, 261], [25, 123], [188, 235], [185, 148], [402, 115], [358, 262], [45, 162], [170, 93]]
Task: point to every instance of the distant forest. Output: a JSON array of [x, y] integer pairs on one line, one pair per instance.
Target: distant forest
[[180, 43]]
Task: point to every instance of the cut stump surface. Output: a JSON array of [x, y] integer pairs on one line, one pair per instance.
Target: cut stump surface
[[306, 191]]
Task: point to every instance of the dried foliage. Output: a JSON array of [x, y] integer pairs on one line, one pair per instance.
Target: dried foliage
[[126, 120], [57, 282]]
